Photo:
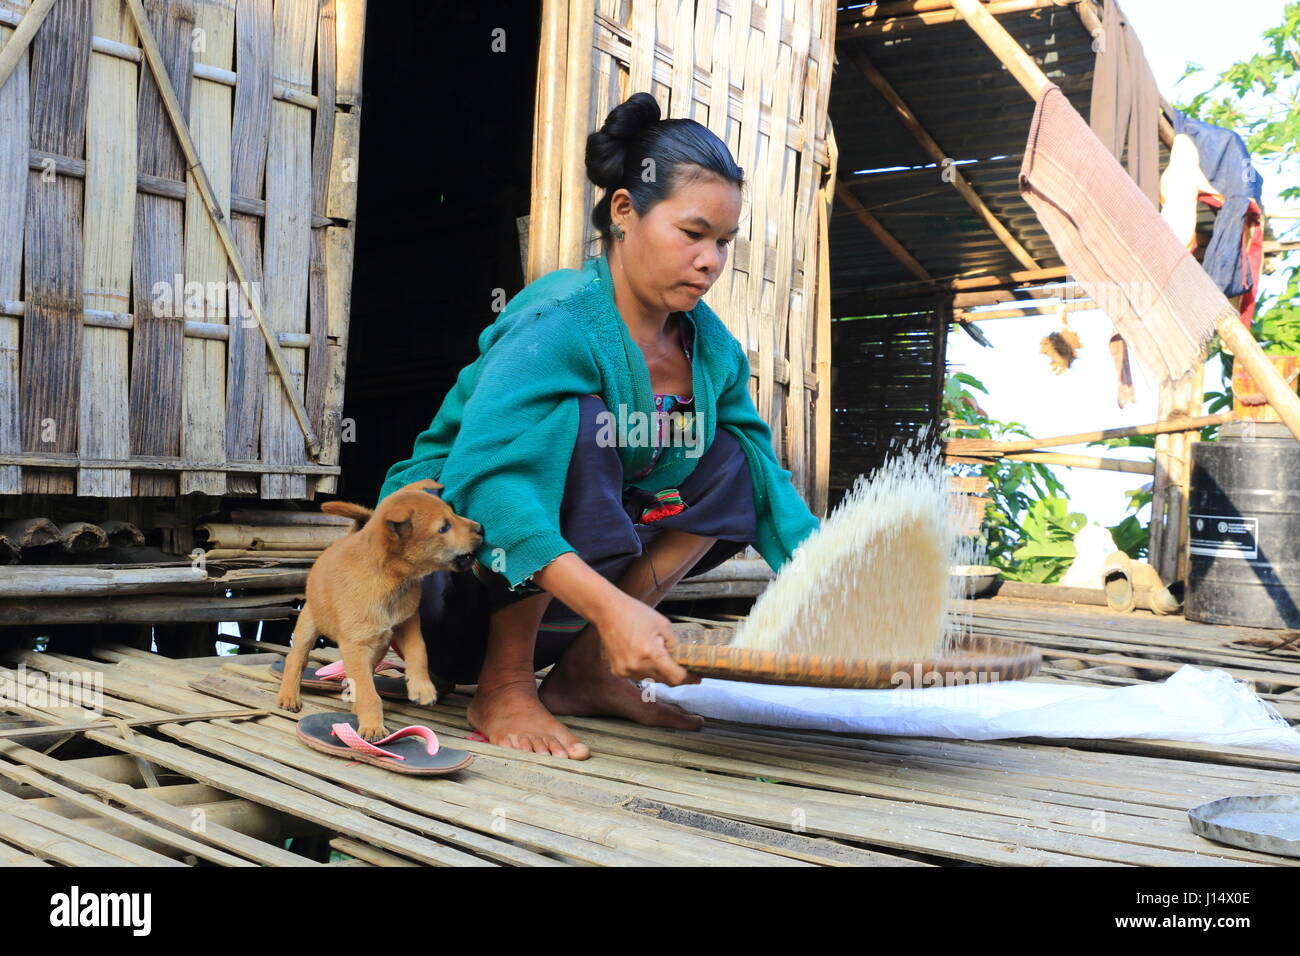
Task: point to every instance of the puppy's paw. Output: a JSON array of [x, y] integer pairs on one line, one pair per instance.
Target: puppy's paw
[[372, 732], [288, 700], [421, 691]]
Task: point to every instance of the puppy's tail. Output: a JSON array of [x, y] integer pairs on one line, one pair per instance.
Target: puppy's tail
[[359, 514]]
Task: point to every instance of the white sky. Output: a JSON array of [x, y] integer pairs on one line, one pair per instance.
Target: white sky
[[1021, 385]]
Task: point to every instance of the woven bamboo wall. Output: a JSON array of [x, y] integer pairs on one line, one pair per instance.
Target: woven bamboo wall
[[130, 364], [890, 372], [758, 75]]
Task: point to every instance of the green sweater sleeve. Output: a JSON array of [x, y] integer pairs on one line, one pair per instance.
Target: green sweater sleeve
[[784, 519], [509, 455]]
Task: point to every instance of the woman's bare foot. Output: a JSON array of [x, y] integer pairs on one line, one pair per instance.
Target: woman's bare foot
[[581, 685], [509, 714]]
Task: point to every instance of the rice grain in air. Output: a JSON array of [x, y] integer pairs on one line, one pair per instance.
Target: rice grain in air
[[873, 581]]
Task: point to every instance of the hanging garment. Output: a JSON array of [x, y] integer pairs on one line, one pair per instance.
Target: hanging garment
[[1235, 254], [1115, 243], [1182, 186], [1125, 108], [1123, 372]]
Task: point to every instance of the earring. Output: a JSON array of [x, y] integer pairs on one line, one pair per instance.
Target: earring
[[617, 232]]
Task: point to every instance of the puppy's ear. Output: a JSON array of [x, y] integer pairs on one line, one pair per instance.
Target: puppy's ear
[[399, 530], [429, 486]]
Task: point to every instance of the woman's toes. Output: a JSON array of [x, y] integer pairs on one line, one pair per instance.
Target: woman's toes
[[688, 719]]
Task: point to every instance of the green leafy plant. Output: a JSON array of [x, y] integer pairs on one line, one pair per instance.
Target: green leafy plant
[[1131, 535], [1028, 528], [1013, 486], [1048, 530]]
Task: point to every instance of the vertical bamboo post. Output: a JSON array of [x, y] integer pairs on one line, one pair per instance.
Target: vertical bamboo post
[[548, 130], [576, 122]]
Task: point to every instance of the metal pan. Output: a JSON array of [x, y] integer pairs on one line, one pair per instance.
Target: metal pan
[[1269, 824]]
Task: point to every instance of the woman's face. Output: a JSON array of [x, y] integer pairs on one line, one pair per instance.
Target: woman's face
[[674, 253]]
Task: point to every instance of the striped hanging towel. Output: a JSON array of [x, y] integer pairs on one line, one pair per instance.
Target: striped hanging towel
[[1115, 243]]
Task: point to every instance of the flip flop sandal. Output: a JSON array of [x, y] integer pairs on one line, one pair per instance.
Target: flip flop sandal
[[330, 677], [412, 750]]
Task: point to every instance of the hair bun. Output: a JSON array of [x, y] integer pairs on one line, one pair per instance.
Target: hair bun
[[607, 148]]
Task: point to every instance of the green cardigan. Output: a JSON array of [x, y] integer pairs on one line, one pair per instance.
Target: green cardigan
[[500, 442]]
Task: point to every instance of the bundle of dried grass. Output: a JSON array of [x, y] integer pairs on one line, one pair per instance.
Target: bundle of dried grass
[[873, 581], [1061, 347]]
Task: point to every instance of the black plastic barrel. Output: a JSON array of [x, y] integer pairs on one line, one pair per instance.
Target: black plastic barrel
[[1243, 518]]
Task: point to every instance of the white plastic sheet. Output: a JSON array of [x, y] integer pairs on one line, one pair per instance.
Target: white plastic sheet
[[1203, 706]]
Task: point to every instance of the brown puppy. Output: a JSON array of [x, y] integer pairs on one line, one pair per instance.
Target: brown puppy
[[364, 591]]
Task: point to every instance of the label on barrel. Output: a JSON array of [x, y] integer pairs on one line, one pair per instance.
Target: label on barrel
[[1224, 536]]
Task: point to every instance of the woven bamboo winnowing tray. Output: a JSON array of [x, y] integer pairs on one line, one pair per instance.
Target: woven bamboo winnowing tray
[[973, 660]]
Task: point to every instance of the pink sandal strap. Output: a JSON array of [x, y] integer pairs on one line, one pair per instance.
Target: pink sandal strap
[[346, 733], [336, 671]]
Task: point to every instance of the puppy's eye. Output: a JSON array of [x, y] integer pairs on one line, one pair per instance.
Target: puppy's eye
[[446, 526]]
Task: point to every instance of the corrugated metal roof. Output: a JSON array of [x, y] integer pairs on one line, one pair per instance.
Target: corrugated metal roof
[[977, 113]]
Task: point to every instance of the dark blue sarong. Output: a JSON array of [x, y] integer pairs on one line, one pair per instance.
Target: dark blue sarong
[[599, 517]]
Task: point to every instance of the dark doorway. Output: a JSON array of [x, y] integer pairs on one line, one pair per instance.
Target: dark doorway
[[445, 172]]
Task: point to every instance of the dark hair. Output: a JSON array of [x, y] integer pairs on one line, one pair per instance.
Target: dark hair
[[681, 151]]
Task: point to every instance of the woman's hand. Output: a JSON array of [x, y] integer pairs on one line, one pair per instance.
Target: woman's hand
[[635, 639]]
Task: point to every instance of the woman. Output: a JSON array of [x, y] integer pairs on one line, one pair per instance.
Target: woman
[[606, 441]]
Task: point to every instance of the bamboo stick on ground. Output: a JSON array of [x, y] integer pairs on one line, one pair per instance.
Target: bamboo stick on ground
[[272, 537], [268, 517], [48, 581]]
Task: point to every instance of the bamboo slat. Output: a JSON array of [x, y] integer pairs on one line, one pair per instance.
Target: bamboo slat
[[340, 239], [157, 351], [766, 796], [110, 181], [318, 358], [14, 146], [101, 813], [250, 133], [204, 362], [288, 237], [52, 331]]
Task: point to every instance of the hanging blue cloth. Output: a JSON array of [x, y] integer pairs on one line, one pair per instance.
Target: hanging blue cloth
[[1226, 164]]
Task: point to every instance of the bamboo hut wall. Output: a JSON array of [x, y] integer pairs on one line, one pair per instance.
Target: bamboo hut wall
[[758, 75], [14, 152], [890, 377], [142, 372]]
